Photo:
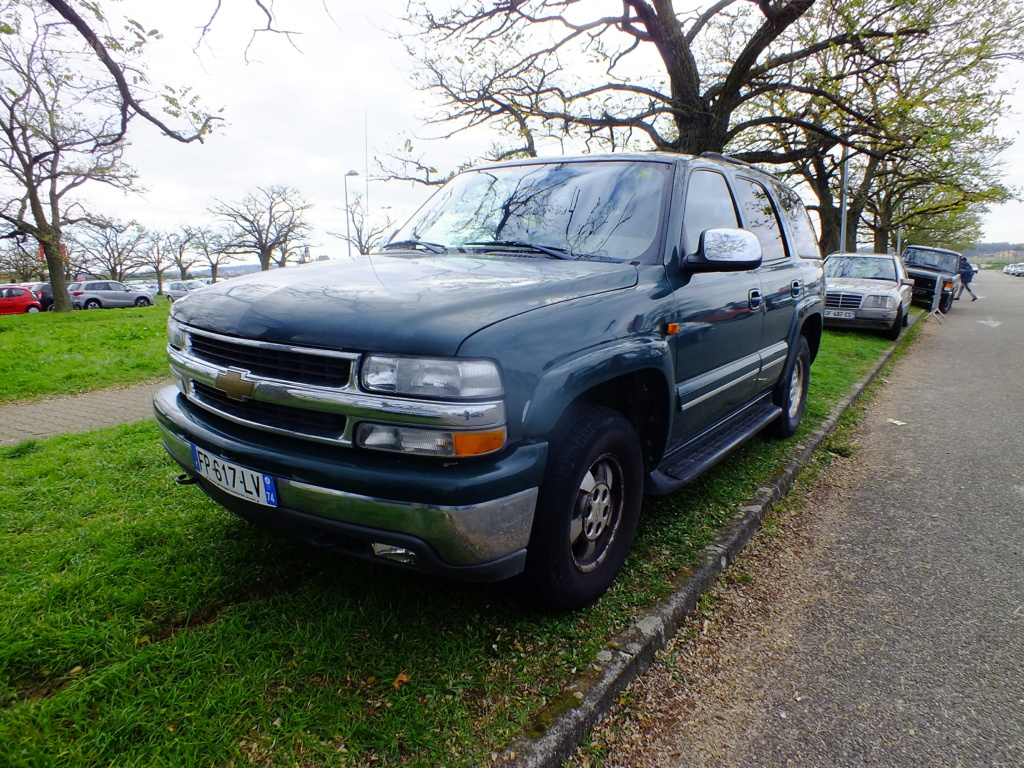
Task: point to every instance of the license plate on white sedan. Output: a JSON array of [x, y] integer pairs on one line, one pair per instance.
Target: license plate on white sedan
[[234, 479], [839, 314]]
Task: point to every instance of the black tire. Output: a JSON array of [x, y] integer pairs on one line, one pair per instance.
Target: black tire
[[142, 301], [587, 511], [946, 303], [31, 309], [791, 391], [92, 304], [897, 325]]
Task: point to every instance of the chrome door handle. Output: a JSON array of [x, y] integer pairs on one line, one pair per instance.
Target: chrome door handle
[[754, 298], [795, 288]]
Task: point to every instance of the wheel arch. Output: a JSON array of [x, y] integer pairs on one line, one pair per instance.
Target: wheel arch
[[812, 330], [633, 382]]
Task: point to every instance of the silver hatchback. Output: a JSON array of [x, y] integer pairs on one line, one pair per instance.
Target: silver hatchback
[[103, 294]]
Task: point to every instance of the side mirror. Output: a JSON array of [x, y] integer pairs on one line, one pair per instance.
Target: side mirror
[[725, 250]]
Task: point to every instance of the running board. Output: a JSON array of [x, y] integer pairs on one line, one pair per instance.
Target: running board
[[694, 459]]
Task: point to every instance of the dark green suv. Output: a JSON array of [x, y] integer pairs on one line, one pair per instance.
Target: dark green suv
[[492, 393]]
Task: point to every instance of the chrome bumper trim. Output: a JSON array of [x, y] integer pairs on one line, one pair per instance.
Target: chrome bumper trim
[[461, 535]]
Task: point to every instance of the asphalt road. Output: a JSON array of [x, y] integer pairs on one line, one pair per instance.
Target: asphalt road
[[888, 629]]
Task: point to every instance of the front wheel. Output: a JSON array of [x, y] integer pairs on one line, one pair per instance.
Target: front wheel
[[32, 309], [142, 301], [587, 511], [791, 391], [946, 303]]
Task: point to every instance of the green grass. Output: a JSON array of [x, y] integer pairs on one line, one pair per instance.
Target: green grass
[[61, 354], [143, 625]]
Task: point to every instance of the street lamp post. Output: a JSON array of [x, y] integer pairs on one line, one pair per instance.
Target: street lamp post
[[348, 213]]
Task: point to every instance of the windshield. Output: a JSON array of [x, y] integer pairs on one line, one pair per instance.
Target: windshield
[[947, 261], [867, 268], [604, 210]]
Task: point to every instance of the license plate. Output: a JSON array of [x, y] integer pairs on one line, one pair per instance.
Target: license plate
[[238, 481], [839, 314]]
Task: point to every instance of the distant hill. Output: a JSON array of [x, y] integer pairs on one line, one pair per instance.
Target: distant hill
[[997, 250]]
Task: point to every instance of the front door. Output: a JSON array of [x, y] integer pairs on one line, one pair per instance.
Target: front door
[[717, 346]]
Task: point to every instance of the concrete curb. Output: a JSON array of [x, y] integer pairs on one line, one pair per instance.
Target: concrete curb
[[575, 713]]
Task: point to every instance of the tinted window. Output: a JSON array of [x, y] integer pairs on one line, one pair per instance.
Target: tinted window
[[709, 205], [760, 218], [793, 210]]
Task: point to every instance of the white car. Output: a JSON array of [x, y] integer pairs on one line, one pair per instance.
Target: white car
[[867, 290], [181, 288]]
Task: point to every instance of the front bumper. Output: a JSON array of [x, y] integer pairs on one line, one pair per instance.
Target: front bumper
[[468, 519], [874, 319]]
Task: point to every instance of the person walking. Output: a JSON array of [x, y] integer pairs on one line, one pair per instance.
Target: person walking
[[966, 275]]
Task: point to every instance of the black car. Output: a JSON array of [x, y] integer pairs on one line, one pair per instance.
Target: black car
[[44, 292]]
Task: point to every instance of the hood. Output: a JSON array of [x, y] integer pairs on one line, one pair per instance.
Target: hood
[[859, 285], [390, 303]]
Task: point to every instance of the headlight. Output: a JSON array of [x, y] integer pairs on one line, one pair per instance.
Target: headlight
[[879, 302], [432, 377], [175, 334]]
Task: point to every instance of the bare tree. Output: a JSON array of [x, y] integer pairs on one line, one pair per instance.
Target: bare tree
[[127, 79], [180, 242], [646, 75], [367, 231], [212, 247], [158, 255], [112, 249], [266, 222], [55, 136], [19, 262]]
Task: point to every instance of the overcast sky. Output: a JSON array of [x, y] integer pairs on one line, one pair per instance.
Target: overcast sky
[[305, 117]]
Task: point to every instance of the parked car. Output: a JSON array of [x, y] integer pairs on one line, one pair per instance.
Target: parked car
[[867, 290], [104, 294], [493, 392], [17, 300], [44, 293], [181, 288], [935, 272]]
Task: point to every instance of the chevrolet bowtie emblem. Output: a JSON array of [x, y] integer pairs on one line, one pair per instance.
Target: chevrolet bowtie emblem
[[234, 385]]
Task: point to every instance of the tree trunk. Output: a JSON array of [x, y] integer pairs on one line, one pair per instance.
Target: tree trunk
[[55, 266]]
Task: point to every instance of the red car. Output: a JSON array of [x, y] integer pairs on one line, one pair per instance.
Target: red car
[[16, 300]]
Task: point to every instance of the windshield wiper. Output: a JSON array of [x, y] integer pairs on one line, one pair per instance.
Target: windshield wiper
[[556, 253], [432, 247]]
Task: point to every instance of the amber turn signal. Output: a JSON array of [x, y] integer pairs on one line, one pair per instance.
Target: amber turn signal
[[477, 443]]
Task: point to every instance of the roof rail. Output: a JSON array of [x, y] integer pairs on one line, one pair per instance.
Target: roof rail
[[728, 159]]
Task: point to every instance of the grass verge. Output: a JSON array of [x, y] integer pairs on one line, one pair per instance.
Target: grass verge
[[62, 354], [143, 625]]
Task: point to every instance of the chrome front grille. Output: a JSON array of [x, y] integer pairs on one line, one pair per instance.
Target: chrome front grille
[[842, 300], [304, 393], [272, 361], [283, 418]]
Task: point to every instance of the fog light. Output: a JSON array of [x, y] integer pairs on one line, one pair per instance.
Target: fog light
[[395, 554]]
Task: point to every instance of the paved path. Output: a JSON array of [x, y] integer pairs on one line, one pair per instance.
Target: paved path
[[80, 413], [887, 629]]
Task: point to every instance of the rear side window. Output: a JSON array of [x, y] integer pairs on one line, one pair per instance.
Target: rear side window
[[793, 210], [761, 218], [709, 205]]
